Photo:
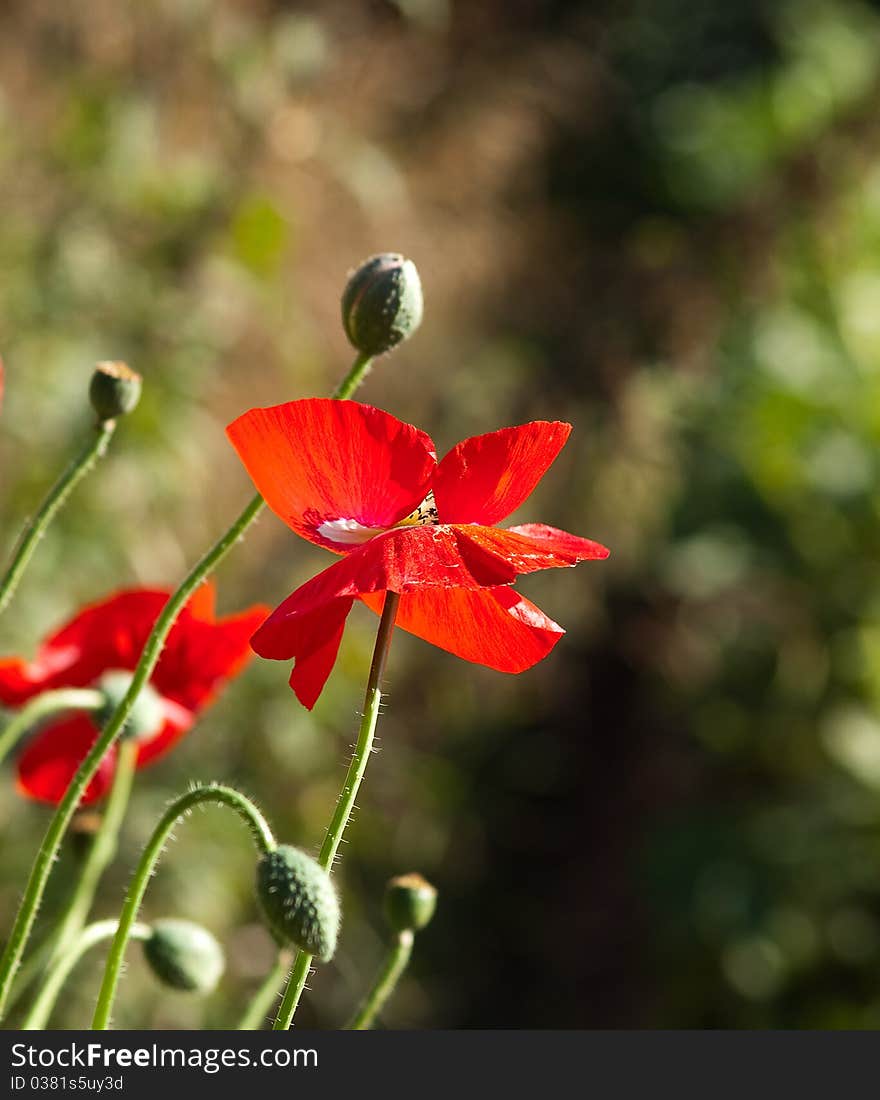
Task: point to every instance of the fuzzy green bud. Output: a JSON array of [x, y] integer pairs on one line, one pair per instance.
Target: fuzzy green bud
[[299, 901], [184, 955], [114, 390], [382, 303], [410, 901], [148, 713]]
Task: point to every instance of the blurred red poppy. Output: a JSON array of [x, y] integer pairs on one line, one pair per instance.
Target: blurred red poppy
[[201, 653], [358, 481]]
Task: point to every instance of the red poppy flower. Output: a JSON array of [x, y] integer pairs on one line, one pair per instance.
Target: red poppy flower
[[200, 654], [357, 481]]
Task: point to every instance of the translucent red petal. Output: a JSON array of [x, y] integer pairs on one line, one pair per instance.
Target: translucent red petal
[[484, 478], [495, 627], [319, 462], [531, 547]]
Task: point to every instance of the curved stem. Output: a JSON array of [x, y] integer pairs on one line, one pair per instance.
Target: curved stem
[[210, 792], [60, 491], [39, 1014], [58, 825], [348, 794], [360, 368], [261, 1003], [101, 851], [44, 706], [386, 981]]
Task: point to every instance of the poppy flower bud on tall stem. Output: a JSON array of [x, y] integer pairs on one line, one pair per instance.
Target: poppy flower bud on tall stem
[[114, 390], [410, 901], [382, 303]]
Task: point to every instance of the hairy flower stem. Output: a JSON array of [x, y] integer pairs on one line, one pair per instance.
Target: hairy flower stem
[[48, 852], [60, 491], [260, 1006], [180, 807], [101, 851], [386, 981], [38, 1017], [346, 801], [46, 705]]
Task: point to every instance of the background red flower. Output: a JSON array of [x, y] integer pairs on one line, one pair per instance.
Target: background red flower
[[201, 653]]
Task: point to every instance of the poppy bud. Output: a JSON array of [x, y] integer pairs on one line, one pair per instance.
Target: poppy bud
[[184, 955], [299, 901], [114, 390], [382, 303], [410, 901], [147, 715]]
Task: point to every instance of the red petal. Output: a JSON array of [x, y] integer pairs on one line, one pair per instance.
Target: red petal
[[178, 721], [199, 656], [528, 548], [51, 760], [400, 560], [485, 478], [109, 634], [320, 461], [203, 601], [495, 627], [308, 625], [316, 661], [561, 542], [310, 637]]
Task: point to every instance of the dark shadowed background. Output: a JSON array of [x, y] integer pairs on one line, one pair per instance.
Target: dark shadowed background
[[656, 219]]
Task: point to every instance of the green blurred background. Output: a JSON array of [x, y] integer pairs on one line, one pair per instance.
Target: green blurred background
[[659, 220]]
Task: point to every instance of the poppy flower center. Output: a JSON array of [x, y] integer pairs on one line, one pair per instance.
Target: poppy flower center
[[426, 513], [147, 715], [350, 532]]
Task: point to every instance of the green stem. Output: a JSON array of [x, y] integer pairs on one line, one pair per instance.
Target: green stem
[[31, 968], [261, 1003], [180, 807], [101, 851], [39, 1014], [348, 794], [386, 981], [360, 368], [44, 706], [48, 852], [60, 491]]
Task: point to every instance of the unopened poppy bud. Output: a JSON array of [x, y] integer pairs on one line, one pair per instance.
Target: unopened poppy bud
[[382, 303], [115, 389], [184, 955], [148, 713], [299, 901], [410, 901]]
